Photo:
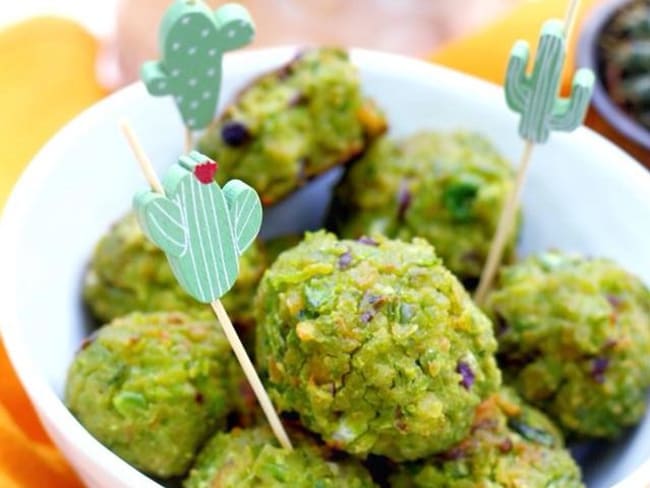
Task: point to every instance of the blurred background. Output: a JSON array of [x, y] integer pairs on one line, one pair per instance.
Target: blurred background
[[128, 28]]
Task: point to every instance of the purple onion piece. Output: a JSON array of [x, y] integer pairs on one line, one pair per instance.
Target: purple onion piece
[[235, 133], [370, 303], [367, 241], [371, 299], [345, 260], [614, 301], [367, 316], [466, 373], [599, 367]]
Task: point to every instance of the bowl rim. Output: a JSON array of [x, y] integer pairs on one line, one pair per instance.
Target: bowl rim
[[587, 57], [49, 407]]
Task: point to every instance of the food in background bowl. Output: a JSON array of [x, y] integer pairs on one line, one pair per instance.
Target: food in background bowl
[[624, 56], [447, 188], [615, 44], [294, 124]]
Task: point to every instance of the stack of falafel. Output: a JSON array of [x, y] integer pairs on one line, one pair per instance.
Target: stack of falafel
[[384, 370]]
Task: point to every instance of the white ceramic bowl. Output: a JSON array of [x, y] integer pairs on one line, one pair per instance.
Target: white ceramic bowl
[[583, 194]]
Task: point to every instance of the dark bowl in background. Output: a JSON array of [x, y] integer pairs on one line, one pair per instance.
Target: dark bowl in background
[[587, 57]]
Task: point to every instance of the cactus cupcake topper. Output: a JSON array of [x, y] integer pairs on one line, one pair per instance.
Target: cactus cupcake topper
[[203, 229], [193, 40], [535, 97]]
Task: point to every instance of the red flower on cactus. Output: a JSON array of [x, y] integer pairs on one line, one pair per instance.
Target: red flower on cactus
[[204, 172]]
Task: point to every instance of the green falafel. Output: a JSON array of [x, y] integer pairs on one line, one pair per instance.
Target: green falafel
[[153, 387], [511, 445], [446, 188], [574, 339], [251, 458], [294, 124], [374, 344], [128, 273]]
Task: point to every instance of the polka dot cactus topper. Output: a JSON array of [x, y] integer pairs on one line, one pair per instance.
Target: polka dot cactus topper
[[193, 40]]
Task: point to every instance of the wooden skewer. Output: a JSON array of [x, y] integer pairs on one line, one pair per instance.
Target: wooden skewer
[[189, 140], [222, 316], [509, 212], [504, 228], [141, 158], [251, 375], [570, 18]]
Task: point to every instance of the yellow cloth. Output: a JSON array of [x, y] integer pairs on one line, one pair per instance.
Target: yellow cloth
[[46, 78]]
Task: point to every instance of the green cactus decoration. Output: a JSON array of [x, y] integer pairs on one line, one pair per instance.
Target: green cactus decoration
[[201, 228], [193, 40], [534, 96]]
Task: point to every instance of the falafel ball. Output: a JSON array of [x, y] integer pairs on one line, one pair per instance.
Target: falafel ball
[[153, 387], [574, 339], [446, 188], [251, 458], [510, 445], [128, 273], [294, 124], [375, 344]]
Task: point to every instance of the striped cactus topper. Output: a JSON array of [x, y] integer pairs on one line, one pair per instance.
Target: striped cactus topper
[[202, 228], [534, 96]]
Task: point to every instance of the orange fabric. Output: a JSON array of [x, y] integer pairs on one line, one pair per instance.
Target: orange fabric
[[485, 54], [46, 78]]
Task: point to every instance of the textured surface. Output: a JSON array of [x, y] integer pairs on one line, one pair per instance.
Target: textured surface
[[447, 188], [574, 337], [251, 458], [510, 445], [128, 273], [193, 40], [375, 344], [153, 387], [294, 124]]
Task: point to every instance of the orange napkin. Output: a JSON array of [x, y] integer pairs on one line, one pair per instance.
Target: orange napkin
[[485, 54], [46, 78]]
